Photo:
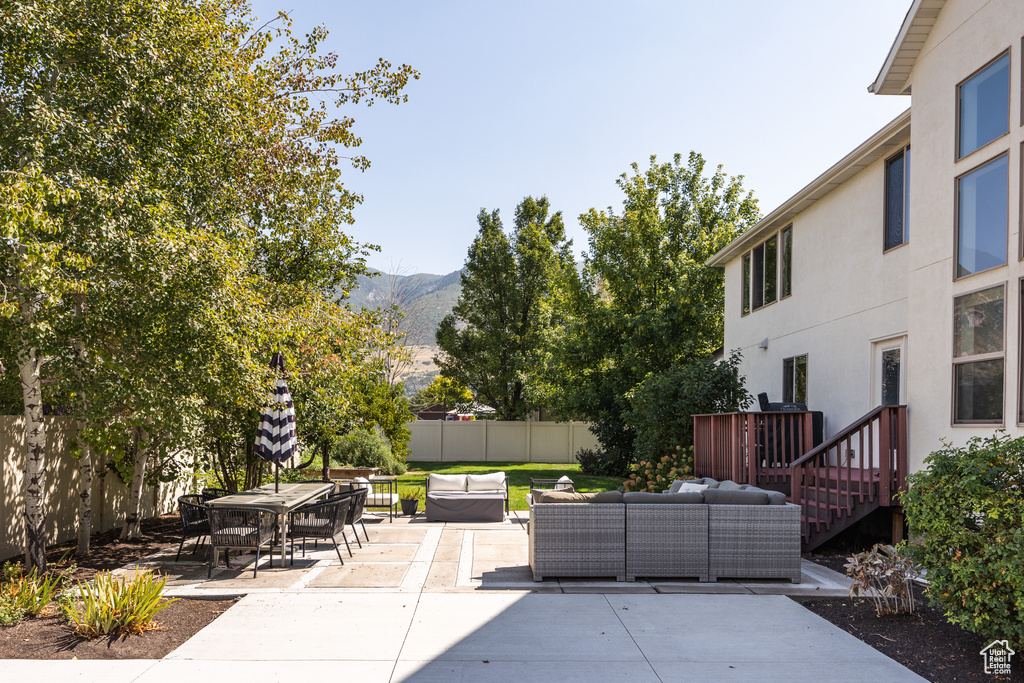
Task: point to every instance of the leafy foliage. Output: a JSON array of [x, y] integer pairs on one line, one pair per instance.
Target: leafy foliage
[[645, 301], [446, 391], [494, 340], [661, 408], [883, 574], [26, 594], [366, 448], [967, 510], [117, 606], [600, 463], [655, 476]]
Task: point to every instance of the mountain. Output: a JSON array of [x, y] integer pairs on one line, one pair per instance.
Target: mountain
[[425, 298]]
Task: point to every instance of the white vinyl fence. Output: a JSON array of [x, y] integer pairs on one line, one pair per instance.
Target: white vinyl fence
[[109, 495], [499, 441]]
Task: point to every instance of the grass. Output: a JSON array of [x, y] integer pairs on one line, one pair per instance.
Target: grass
[[519, 475]]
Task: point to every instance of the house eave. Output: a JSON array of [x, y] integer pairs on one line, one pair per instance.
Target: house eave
[[881, 144], [895, 72]]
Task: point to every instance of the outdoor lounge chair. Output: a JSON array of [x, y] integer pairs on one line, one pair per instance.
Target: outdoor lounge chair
[[239, 528], [194, 523], [320, 520]]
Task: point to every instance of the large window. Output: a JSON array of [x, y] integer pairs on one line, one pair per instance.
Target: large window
[[767, 270], [982, 211], [983, 106], [897, 199], [978, 357], [794, 380]]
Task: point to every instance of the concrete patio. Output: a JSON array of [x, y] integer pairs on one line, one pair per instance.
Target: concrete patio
[[456, 602]]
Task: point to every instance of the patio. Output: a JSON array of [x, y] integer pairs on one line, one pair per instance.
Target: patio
[[412, 555]]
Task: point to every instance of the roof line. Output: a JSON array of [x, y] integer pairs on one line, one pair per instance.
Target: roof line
[[894, 50], [788, 209]]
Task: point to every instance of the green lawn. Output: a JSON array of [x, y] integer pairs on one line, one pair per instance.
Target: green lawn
[[519, 475]]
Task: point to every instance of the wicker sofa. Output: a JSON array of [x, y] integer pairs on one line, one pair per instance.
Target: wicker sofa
[[699, 535], [466, 497]]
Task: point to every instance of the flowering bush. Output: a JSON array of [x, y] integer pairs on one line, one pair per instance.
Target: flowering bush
[[657, 475]]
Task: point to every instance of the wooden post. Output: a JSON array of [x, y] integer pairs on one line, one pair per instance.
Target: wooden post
[[897, 525]]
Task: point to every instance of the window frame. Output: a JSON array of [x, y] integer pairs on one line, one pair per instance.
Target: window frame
[[977, 358], [785, 388], [783, 286], [905, 153], [957, 156], [956, 216]]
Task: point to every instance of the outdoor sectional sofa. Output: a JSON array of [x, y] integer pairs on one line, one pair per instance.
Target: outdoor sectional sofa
[[727, 530], [466, 497]]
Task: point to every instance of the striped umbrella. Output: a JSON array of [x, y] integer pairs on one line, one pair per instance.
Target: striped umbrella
[[276, 440]]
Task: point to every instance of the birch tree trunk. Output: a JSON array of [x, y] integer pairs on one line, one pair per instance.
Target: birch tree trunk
[[133, 515], [85, 492], [35, 471]]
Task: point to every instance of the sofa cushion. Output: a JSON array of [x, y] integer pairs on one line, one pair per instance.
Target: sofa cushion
[[691, 497], [572, 497], [485, 482], [729, 485], [446, 482], [734, 497]]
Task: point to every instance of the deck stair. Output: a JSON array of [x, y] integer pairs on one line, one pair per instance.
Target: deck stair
[[856, 472]]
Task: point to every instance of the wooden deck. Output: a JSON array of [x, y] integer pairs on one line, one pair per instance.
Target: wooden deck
[[837, 482]]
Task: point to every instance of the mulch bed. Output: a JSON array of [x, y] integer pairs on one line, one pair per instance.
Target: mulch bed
[[924, 642], [49, 637]]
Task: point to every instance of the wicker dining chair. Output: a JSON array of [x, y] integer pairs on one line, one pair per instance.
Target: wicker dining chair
[[320, 521], [240, 528], [212, 493], [194, 522], [355, 512]]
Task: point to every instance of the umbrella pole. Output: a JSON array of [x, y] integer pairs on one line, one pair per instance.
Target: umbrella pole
[[277, 475]]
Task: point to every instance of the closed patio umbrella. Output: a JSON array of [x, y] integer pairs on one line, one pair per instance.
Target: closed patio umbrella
[[276, 440]]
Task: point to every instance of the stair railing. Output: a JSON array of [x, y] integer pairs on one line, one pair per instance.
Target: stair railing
[[749, 447], [847, 467]]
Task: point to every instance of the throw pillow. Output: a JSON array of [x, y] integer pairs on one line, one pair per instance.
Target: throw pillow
[[690, 486], [446, 482]]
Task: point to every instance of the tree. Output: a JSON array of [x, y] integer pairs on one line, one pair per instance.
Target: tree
[[645, 301], [494, 340], [446, 391]]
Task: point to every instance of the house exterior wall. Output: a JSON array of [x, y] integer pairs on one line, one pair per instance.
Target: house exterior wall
[[966, 36], [845, 294], [848, 294]]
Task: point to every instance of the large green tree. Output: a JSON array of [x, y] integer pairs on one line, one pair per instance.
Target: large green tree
[[645, 301], [494, 340]]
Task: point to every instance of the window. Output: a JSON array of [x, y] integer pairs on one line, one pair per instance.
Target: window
[[897, 199], [982, 211], [983, 106], [891, 377], [978, 357], [794, 380], [767, 269]]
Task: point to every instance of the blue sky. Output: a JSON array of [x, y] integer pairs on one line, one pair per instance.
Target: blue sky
[[559, 98]]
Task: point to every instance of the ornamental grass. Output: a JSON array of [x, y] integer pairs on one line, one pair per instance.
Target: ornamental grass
[[117, 606]]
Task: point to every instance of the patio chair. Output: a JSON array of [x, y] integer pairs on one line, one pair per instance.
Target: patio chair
[[212, 493], [320, 520], [355, 512], [240, 528], [194, 523]]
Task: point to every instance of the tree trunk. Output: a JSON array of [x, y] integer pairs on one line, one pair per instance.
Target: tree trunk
[[35, 472], [85, 491], [133, 515], [325, 447]]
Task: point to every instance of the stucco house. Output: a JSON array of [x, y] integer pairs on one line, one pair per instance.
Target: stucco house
[[895, 277]]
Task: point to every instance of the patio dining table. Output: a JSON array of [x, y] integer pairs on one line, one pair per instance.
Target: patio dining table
[[283, 501]]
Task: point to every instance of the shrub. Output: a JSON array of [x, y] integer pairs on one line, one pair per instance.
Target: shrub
[[366, 448], [883, 574], [24, 595], [598, 463], [657, 475], [663, 405], [967, 507], [117, 606]]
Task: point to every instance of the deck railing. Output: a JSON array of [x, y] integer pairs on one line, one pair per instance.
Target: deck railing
[[750, 448], [845, 469]]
